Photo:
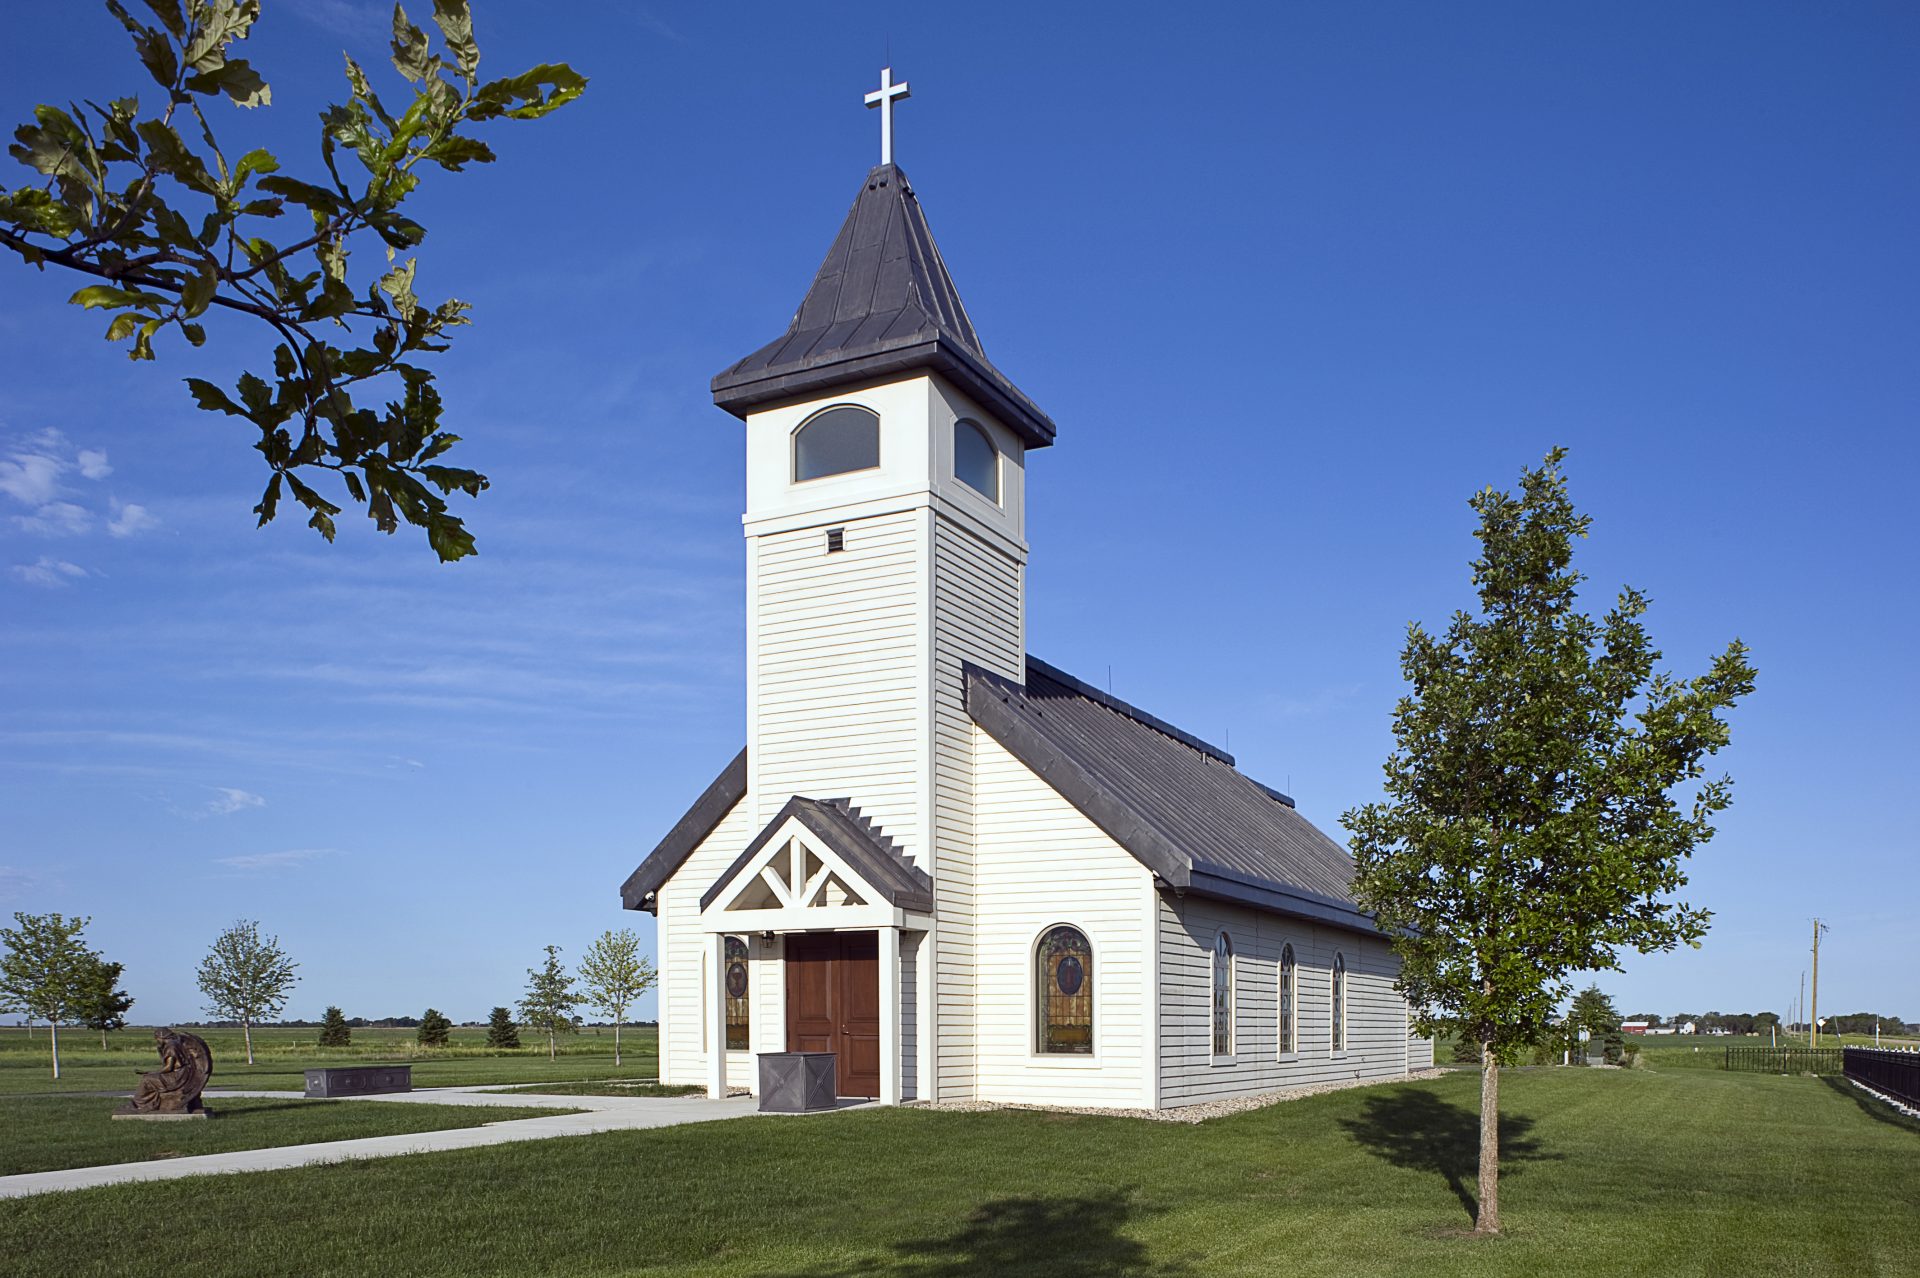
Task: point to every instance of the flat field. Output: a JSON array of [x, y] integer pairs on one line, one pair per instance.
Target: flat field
[[282, 1055], [48, 1133], [1652, 1171]]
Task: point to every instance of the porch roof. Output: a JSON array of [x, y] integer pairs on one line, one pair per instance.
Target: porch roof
[[849, 836]]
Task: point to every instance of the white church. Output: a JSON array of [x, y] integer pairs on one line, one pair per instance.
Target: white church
[[968, 874]]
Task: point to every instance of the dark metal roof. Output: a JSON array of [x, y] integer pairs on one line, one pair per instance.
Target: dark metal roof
[[851, 837], [708, 811], [1173, 801], [882, 303]]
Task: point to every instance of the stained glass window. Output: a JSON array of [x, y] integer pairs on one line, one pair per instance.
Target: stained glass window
[[1339, 1003], [1222, 995], [1065, 997], [736, 987], [836, 441], [1286, 1000]]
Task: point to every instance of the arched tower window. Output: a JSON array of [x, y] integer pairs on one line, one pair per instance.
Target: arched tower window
[[1339, 1003], [1222, 995], [976, 462], [1288, 1001], [1063, 1003], [835, 441], [736, 987]]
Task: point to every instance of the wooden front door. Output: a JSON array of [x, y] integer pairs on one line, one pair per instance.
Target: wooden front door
[[833, 1003]]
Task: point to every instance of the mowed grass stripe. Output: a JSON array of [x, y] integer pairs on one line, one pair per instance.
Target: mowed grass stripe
[[1661, 1173], [54, 1133]]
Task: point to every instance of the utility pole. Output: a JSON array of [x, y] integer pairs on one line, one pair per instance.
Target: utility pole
[[1813, 1016]]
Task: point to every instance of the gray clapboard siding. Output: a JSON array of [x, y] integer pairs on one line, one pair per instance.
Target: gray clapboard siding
[[684, 979], [976, 617], [839, 693], [1039, 863], [1378, 1045]]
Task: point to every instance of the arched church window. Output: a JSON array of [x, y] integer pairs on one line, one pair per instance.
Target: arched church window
[[1339, 1003], [1288, 999], [835, 441], [736, 993], [1064, 1001], [976, 462], [1222, 995]]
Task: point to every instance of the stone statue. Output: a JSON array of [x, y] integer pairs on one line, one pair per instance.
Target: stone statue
[[173, 1089]]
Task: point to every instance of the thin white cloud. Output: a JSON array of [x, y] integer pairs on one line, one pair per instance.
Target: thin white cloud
[[130, 520], [48, 571], [56, 519], [231, 801], [345, 18], [31, 478], [266, 862], [93, 463], [15, 883]]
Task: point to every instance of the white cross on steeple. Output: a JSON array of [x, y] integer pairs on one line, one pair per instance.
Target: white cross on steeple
[[883, 98]]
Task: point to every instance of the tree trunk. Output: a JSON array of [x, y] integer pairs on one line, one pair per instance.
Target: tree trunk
[[53, 1028], [1487, 1221], [551, 1054], [103, 1040], [616, 1044], [246, 1029]]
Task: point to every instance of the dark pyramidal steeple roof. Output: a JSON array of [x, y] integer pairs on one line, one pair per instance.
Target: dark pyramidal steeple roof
[[882, 303]]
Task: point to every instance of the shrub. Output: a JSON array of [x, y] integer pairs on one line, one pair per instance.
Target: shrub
[[501, 1031], [334, 1031], [434, 1029]]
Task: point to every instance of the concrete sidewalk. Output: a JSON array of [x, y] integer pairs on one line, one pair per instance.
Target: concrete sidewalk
[[599, 1114]]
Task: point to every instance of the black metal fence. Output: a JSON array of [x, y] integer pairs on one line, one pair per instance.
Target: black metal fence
[[1897, 1073], [1784, 1060]]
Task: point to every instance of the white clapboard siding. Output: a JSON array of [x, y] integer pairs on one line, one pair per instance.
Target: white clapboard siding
[[1040, 862], [977, 618], [685, 957], [837, 669], [1378, 1045]]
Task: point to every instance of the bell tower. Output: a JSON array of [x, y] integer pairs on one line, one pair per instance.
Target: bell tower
[[886, 550]]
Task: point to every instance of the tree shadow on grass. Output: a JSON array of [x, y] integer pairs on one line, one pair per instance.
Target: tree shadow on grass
[[1415, 1129], [1056, 1237], [1872, 1106]]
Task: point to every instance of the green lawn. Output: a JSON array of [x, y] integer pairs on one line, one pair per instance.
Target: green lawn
[[1661, 1172], [283, 1055], [50, 1133]]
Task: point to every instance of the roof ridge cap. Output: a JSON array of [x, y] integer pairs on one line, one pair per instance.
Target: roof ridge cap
[[1128, 710]]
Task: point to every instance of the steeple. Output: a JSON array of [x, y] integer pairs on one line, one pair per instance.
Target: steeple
[[881, 304]]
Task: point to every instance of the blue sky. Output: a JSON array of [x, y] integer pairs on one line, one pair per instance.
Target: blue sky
[[1294, 281]]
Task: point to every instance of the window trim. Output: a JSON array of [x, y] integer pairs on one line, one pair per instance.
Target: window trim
[[793, 444], [1337, 1038], [1231, 1055], [1282, 1013], [996, 497], [1064, 1059]]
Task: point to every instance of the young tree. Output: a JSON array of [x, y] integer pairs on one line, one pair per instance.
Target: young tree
[[246, 978], [334, 1030], [501, 1031], [614, 974], [434, 1029], [550, 1000], [175, 233], [103, 1005], [1531, 827], [1594, 1012], [45, 971]]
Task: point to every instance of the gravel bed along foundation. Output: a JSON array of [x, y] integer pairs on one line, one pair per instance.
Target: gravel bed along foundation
[[1199, 1113]]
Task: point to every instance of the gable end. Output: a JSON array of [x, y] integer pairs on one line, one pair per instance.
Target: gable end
[[640, 889]]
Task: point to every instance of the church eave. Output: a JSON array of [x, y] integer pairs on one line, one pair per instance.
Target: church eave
[[640, 890], [745, 388]]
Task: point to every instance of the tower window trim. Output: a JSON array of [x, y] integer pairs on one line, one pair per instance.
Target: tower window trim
[[793, 446]]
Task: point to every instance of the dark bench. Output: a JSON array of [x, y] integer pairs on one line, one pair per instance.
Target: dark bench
[[359, 1080]]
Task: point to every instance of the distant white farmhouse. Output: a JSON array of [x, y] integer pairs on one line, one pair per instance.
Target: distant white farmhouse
[[967, 873]]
